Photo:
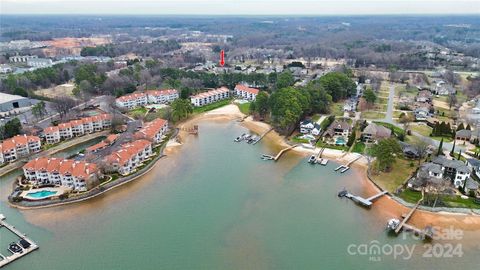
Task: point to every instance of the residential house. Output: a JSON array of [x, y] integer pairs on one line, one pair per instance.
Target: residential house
[[129, 157], [77, 175], [132, 100], [463, 135], [153, 131], [338, 132], [443, 89], [162, 96], [409, 151], [373, 133], [19, 146], [210, 96], [309, 127], [246, 92], [454, 169], [470, 186], [421, 113], [428, 173], [474, 165], [424, 96]]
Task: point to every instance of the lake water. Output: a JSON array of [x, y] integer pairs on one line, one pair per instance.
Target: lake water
[[217, 205]]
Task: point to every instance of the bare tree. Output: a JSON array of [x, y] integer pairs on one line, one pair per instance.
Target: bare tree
[[62, 105], [421, 147]]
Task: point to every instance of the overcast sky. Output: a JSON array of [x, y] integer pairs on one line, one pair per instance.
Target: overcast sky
[[244, 7]]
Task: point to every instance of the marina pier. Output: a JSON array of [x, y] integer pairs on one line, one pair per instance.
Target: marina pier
[[25, 245], [344, 168]]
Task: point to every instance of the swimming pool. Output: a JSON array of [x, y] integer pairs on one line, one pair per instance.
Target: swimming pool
[[340, 141], [41, 194]]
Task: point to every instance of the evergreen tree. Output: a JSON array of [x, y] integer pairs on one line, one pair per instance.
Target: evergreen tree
[[459, 155], [460, 127], [453, 148], [468, 127], [440, 148]]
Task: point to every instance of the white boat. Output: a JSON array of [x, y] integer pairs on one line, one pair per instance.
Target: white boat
[[393, 223], [312, 159]]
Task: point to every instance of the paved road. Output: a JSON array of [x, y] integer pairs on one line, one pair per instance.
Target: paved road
[[389, 114]]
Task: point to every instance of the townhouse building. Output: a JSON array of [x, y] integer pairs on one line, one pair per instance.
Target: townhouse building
[[246, 92], [129, 157], [210, 96], [162, 96], [77, 175], [132, 100], [19, 146], [77, 128], [153, 131]]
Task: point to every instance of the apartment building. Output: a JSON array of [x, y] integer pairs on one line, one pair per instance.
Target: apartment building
[[162, 96], [246, 92], [77, 128], [153, 131], [132, 100]]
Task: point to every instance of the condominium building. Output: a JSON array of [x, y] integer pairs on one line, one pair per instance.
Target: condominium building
[[129, 157], [19, 146], [77, 128], [52, 135], [162, 96], [77, 175], [153, 131], [132, 100], [210, 96], [246, 92]]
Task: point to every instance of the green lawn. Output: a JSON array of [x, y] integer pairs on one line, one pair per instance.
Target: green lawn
[[372, 115], [320, 143], [137, 113], [337, 108], [396, 129], [359, 147], [211, 106], [397, 176], [445, 139], [244, 107], [421, 129], [451, 201], [297, 139]]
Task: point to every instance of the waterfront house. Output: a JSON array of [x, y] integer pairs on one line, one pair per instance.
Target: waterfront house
[[162, 96], [456, 170], [52, 135], [77, 175], [309, 127], [470, 186], [132, 100], [338, 132], [428, 173], [129, 157], [19, 146], [373, 133], [210, 96], [246, 92], [463, 135], [154, 130]]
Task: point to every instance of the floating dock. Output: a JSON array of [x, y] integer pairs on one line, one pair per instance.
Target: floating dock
[[360, 200], [8, 259], [344, 168]]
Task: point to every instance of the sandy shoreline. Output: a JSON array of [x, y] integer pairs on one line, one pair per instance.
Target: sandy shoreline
[[385, 206]]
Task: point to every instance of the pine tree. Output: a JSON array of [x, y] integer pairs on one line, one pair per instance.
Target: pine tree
[[460, 127], [440, 148], [459, 155], [468, 127], [453, 148]]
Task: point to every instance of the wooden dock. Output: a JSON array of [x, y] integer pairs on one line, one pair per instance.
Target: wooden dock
[[8, 259], [408, 216], [362, 201], [277, 157], [263, 135]]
